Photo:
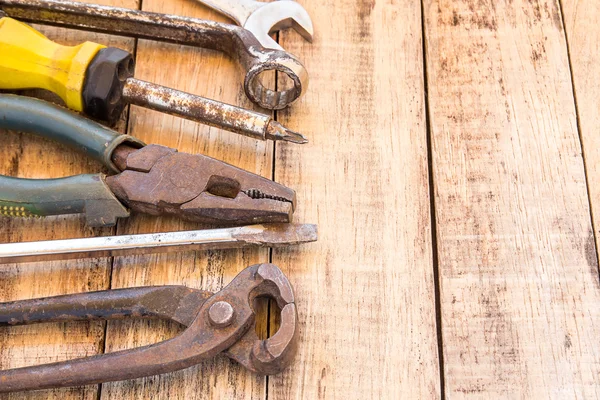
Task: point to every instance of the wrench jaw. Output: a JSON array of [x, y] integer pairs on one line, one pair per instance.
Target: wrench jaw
[[278, 15], [158, 180], [273, 355]]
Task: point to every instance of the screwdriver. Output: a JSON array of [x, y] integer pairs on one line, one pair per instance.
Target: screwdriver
[[98, 81]]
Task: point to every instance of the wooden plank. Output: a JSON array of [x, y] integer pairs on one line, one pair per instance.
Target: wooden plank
[[213, 75], [32, 157], [365, 291], [517, 259], [583, 37]]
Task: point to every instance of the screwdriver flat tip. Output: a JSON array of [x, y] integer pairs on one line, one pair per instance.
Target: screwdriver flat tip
[[276, 131], [277, 235]]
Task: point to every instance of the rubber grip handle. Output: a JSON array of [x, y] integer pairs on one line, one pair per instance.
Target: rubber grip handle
[[78, 194], [44, 119], [31, 61]]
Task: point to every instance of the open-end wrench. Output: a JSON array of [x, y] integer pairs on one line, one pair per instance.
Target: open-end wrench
[[262, 18], [236, 41]]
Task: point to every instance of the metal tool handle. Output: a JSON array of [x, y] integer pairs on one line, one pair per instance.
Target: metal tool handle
[[140, 302], [78, 194], [44, 119], [201, 340], [237, 10], [238, 42], [163, 357]]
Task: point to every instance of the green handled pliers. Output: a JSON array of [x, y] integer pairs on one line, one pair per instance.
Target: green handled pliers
[[148, 178]]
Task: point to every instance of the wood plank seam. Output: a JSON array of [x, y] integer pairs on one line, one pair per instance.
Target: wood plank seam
[[518, 280], [434, 245], [580, 132], [213, 75], [116, 229]]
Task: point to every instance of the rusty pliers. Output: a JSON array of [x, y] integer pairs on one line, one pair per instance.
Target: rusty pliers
[[216, 323], [151, 179]]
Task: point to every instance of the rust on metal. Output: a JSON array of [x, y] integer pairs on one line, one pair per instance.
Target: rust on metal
[[216, 323], [237, 42], [159, 180], [210, 112]]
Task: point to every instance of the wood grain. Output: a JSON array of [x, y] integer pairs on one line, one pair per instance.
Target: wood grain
[[214, 75], [518, 266], [583, 37], [32, 157], [365, 290]]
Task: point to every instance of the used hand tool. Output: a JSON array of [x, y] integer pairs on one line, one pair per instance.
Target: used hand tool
[[233, 40], [271, 235], [99, 81], [216, 323], [151, 179], [262, 18]]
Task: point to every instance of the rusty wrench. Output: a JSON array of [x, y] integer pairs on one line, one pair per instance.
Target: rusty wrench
[[236, 41], [216, 323], [262, 18]]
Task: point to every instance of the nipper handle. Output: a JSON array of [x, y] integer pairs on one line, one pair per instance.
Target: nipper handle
[[177, 303]]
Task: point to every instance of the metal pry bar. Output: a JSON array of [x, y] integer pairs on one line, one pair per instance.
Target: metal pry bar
[[271, 235]]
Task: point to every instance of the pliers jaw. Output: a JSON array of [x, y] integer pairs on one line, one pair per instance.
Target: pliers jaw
[[159, 180]]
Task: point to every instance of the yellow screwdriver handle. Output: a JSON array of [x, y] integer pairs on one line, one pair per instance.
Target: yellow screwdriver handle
[[29, 60]]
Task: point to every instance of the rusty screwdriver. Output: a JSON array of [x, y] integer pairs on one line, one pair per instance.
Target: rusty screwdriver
[[98, 81]]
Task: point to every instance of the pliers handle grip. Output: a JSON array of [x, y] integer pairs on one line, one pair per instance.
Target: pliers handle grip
[[86, 193]]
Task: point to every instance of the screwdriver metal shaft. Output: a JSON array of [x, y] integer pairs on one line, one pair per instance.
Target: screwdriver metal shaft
[[272, 235], [210, 112]]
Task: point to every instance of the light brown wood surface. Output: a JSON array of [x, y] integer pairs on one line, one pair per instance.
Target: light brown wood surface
[[457, 254], [581, 19], [213, 75], [366, 288], [517, 259]]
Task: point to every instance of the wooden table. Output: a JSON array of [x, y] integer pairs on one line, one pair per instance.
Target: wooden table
[[452, 169]]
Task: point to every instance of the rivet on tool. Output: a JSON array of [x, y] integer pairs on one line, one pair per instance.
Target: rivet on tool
[[221, 314]]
